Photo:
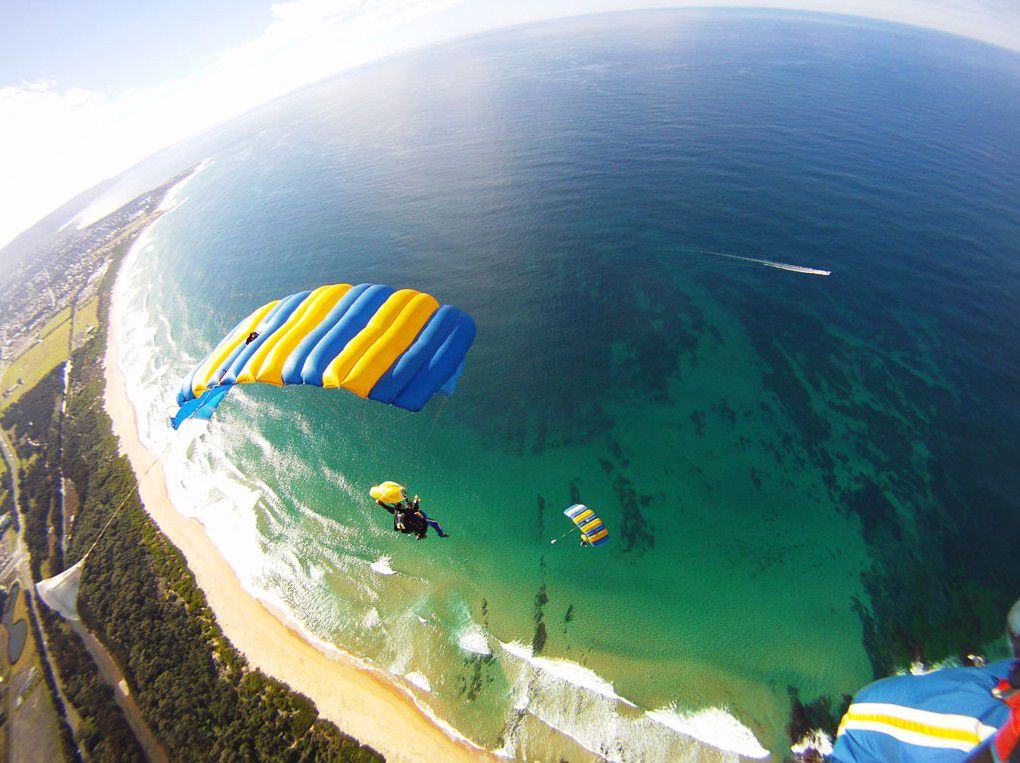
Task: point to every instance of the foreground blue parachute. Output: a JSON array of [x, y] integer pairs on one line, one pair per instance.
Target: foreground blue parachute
[[393, 346], [941, 716]]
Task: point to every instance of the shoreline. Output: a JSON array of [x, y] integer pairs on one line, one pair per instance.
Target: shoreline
[[361, 701]]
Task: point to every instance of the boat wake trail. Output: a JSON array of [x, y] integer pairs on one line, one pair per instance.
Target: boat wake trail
[[766, 263]]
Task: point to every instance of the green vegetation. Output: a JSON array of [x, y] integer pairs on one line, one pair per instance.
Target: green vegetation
[[32, 424], [56, 322], [6, 493], [104, 733], [36, 361], [196, 692]]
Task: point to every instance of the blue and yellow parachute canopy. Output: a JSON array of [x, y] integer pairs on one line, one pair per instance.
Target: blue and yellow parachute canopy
[[394, 346], [941, 716], [592, 529]]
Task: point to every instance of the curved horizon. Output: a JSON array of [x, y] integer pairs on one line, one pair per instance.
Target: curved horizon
[[37, 110]]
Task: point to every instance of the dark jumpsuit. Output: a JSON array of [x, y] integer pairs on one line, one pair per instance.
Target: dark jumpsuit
[[411, 519]]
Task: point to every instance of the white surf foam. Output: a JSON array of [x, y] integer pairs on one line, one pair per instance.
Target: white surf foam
[[473, 640], [712, 726], [201, 481], [371, 620], [445, 726], [567, 671], [419, 680], [580, 704], [382, 566], [814, 741]]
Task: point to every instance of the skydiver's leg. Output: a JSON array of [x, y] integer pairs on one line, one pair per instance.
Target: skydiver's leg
[[435, 526]]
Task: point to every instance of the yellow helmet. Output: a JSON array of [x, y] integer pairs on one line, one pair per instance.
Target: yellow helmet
[[388, 492]]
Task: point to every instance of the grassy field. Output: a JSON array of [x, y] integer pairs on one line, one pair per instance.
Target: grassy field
[[55, 322], [37, 360], [84, 317]]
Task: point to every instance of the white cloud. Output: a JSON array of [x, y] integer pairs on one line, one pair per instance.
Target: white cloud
[[57, 141], [48, 140]]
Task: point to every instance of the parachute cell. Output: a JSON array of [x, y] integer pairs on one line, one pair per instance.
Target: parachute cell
[[388, 492], [394, 346], [939, 716]]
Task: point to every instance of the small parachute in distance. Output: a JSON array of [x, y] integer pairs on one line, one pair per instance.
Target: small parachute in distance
[[395, 346], [593, 532]]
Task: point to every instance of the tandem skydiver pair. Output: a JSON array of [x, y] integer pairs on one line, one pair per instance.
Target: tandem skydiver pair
[[408, 518], [394, 346]]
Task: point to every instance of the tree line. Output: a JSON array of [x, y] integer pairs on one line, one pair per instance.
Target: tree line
[[198, 694]]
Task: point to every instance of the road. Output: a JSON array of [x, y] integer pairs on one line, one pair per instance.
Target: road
[[107, 666], [71, 716]]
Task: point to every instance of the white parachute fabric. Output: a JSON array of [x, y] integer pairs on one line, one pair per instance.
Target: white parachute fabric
[[60, 592]]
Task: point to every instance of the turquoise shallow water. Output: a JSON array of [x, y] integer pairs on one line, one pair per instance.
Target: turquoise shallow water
[[809, 480]]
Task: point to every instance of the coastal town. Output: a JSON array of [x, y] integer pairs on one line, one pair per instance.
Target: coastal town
[[65, 273], [48, 312], [111, 680]]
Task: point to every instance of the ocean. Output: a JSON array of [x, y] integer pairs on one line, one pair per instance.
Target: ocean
[[809, 479]]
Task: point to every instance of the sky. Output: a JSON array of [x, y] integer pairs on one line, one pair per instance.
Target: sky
[[89, 89]]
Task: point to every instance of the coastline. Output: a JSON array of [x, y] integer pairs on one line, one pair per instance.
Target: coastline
[[359, 700]]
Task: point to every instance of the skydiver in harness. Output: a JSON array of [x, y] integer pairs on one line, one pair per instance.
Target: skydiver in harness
[[408, 518]]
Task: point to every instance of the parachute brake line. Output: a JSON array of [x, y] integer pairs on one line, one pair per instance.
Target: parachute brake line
[[442, 406], [124, 500], [564, 534]]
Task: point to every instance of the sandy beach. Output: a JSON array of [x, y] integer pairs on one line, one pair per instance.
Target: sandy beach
[[361, 701]]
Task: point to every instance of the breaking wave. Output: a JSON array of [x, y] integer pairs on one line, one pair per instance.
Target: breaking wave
[[382, 566], [712, 726], [473, 640], [580, 704]]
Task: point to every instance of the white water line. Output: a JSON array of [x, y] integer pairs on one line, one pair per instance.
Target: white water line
[[766, 263]]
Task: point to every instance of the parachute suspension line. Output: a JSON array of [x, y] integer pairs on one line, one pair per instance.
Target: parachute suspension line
[[124, 500], [439, 412], [564, 534]]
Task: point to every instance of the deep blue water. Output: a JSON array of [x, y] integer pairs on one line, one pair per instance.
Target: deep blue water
[[810, 480]]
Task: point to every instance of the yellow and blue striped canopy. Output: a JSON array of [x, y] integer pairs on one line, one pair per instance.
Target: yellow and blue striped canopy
[[592, 529], [940, 716], [396, 346]]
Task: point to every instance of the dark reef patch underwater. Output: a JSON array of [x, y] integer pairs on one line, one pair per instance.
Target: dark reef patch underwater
[[809, 481]]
